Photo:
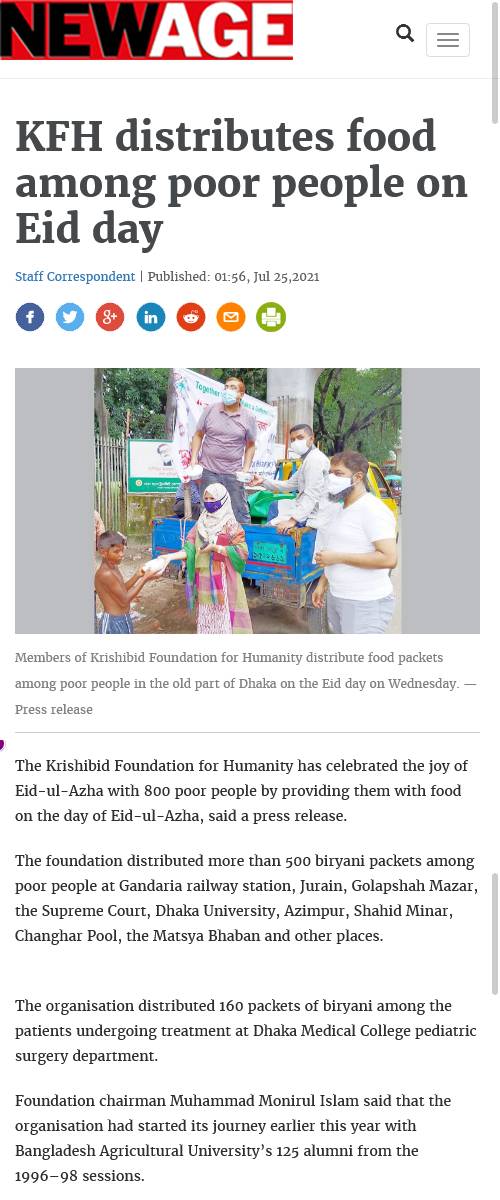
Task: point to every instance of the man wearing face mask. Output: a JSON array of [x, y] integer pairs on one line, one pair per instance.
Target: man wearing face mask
[[357, 549], [309, 482], [224, 444]]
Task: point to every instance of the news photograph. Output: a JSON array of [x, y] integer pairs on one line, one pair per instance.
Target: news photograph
[[237, 500]]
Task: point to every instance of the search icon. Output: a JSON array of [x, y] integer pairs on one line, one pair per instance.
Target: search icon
[[404, 32]]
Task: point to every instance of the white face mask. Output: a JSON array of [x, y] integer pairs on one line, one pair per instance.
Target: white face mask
[[298, 448], [338, 484], [230, 396]]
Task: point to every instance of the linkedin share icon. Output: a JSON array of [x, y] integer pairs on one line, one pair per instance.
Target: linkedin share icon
[[150, 317]]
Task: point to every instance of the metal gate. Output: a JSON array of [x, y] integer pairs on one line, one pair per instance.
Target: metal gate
[[111, 481]]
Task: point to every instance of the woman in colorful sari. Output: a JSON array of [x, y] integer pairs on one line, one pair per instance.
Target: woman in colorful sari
[[216, 552]]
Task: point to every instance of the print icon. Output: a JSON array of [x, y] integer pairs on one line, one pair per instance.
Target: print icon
[[271, 317], [151, 317], [29, 317], [110, 317], [191, 317], [70, 317], [231, 317]]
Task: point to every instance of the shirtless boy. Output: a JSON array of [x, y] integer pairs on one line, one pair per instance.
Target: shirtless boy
[[114, 592]]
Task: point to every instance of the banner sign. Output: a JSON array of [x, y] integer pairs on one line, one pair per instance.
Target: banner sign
[[193, 394], [151, 467], [157, 467]]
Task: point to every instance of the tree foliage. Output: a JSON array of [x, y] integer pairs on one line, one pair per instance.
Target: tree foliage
[[358, 410], [142, 392], [255, 378]]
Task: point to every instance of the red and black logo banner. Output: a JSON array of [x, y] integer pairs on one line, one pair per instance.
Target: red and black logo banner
[[136, 29]]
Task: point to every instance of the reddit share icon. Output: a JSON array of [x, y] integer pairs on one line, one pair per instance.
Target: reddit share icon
[[191, 317]]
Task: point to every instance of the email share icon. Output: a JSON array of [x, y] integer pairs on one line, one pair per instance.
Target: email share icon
[[231, 317]]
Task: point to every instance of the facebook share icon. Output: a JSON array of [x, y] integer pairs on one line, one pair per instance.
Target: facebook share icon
[[30, 316]]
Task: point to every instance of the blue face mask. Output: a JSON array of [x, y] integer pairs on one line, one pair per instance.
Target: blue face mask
[[230, 397], [213, 505]]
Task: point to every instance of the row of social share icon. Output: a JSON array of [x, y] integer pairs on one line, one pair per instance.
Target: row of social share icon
[[151, 317]]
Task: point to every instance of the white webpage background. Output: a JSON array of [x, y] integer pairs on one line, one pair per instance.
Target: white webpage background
[[407, 281]]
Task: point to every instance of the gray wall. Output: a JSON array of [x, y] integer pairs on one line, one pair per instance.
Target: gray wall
[[440, 563], [54, 501]]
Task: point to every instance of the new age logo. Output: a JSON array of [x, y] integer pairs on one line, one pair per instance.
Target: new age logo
[[135, 29]]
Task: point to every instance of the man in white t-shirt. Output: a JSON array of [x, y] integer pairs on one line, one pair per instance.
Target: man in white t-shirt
[[356, 547]]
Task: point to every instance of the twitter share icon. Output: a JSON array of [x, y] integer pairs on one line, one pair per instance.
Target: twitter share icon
[[70, 317]]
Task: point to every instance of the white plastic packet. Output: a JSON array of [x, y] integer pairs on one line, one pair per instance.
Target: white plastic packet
[[157, 565]]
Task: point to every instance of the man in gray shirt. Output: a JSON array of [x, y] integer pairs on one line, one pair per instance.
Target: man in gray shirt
[[224, 443], [310, 482]]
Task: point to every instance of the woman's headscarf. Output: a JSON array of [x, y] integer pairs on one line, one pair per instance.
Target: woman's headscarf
[[211, 524]]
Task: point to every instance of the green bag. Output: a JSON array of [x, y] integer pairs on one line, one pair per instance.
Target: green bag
[[259, 503]]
